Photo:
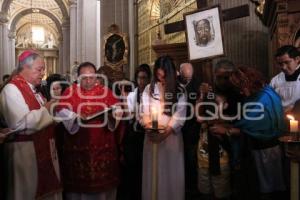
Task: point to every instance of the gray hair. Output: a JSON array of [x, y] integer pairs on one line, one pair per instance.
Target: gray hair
[[182, 65], [28, 61]]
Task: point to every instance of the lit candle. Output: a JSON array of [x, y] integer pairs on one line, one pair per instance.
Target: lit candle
[[154, 117], [293, 124], [294, 171]]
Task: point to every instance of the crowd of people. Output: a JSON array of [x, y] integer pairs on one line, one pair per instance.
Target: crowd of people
[[170, 135]]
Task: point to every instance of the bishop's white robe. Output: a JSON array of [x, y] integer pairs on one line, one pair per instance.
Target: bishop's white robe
[[20, 157]]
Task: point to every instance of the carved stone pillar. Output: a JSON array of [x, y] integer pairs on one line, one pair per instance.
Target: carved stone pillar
[[60, 55], [65, 46], [73, 32], [88, 34], [3, 43], [133, 36], [11, 52]]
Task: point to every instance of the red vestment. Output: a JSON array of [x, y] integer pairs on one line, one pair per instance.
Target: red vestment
[[48, 182], [90, 156]]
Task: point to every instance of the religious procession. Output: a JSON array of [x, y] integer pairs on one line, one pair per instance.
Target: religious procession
[[149, 99]]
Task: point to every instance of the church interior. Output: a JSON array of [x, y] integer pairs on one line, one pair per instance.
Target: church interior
[[66, 32], [117, 37]]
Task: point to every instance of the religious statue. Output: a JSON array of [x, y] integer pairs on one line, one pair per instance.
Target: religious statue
[[50, 43], [74, 71], [23, 42]]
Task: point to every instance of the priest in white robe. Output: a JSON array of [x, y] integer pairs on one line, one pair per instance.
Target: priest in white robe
[[287, 82]]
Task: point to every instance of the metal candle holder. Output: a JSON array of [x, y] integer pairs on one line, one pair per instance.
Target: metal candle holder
[[291, 142], [291, 139]]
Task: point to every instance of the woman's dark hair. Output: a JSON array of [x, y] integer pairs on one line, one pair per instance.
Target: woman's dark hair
[[172, 88], [248, 77], [51, 79], [143, 68], [85, 64], [5, 77], [292, 51]]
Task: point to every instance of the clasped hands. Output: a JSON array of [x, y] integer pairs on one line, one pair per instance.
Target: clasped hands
[[157, 136], [219, 129]]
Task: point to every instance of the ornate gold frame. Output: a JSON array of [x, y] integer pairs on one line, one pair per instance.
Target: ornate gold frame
[[114, 30]]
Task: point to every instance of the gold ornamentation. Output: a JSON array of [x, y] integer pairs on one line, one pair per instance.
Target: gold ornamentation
[[115, 48]]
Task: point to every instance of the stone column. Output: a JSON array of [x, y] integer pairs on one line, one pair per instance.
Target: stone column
[[12, 52], [73, 31], [60, 55], [3, 43], [65, 46], [79, 27], [88, 37], [133, 37], [98, 35]]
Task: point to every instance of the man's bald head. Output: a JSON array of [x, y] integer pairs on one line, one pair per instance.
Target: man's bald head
[[186, 71]]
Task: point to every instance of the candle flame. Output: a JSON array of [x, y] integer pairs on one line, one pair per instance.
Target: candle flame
[[154, 110], [290, 117]]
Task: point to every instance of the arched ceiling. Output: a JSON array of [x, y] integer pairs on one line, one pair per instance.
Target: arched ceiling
[[29, 17], [43, 12], [25, 31], [49, 5], [56, 7], [46, 4], [37, 18]]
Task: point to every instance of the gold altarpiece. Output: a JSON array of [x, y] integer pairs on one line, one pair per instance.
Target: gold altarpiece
[[282, 17], [152, 15]]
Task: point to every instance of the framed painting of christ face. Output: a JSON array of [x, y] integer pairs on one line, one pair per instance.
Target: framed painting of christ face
[[204, 33]]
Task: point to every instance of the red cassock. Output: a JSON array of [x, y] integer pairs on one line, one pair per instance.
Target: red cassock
[[90, 156]]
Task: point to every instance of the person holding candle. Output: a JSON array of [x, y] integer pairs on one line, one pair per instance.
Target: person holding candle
[[159, 99], [261, 125], [287, 84]]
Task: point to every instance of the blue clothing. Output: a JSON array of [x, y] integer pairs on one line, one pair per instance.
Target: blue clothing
[[268, 126], [270, 123]]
